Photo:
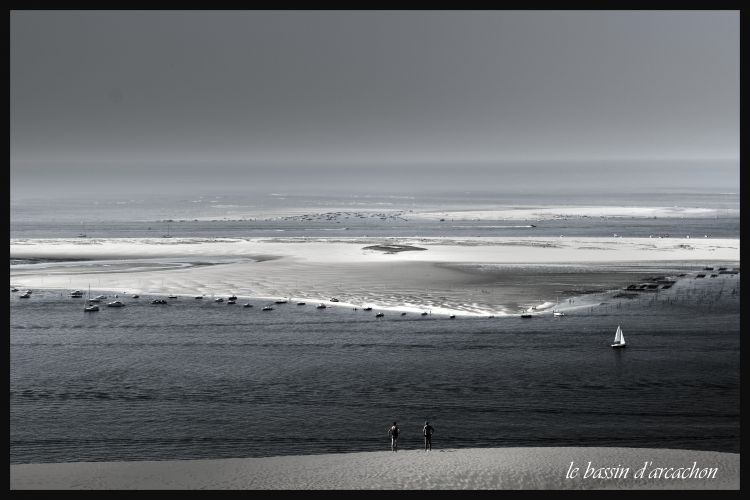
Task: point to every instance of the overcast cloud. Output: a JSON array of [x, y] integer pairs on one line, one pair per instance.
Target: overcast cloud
[[95, 94]]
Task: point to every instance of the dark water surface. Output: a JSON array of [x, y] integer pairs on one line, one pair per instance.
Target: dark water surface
[[197, 379]]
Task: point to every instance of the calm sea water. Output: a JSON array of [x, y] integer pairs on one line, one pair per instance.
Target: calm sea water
[[197, 379], [147, 216]]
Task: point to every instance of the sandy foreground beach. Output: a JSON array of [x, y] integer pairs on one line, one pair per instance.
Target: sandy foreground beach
[[410, 274], [471, 468]]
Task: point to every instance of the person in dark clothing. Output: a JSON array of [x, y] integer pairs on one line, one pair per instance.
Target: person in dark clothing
[[427, 430], [393, 431]]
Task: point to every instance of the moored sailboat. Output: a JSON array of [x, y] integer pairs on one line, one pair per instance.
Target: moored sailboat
[[619, 338]]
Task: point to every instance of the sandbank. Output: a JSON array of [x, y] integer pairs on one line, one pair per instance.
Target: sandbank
[[468, 276]]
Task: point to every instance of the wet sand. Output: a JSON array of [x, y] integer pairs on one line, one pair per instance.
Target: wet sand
[[470, 276]]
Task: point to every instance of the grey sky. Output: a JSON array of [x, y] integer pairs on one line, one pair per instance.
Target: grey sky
[[104, 91]]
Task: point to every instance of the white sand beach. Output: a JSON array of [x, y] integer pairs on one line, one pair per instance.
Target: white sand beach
[[471, 468], [444, 275]]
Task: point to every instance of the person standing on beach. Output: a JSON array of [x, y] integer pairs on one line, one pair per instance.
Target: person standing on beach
[[427, 431], [393, 432]]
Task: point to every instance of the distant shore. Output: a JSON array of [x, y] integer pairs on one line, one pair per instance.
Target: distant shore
[[466, 276], [467, 468]]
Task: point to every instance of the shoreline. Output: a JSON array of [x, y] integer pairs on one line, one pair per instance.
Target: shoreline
[[462, 468], [468, 277]]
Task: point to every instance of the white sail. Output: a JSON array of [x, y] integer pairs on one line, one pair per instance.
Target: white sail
[[619, 339]]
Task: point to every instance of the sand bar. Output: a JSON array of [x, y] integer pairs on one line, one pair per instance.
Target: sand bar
[[447, 275]]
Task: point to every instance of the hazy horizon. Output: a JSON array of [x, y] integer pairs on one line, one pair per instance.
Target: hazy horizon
[[125, 102]]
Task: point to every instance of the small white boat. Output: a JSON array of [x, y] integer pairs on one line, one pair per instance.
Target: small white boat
[[76, 294], [219, 300], [230, 302], [321, 306], [334, 299], [619, 338], [91, 308], [100, 297], [247, 305], [267, 308], [14, 289], [136, 296], [172, 296], [116, 303], [26, 295], [558, 313]]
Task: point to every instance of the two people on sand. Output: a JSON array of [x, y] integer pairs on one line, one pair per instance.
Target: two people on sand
[[427, 430]]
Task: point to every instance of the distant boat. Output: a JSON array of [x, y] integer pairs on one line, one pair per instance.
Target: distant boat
[[452, 316], [231, 302], [527, 315], [116, 303], [300, 303], [232, 297], [247, 305], [101, 297], [76, 294], [267, 308], [424, 313], [26, 295], [89, 307], [14, 289], [368, 309], [334, 299], [379, 315], [158, 301], [136, 296], [172, 296], [321, 306], [403, 314], [558, 313], [282, 301], [82, 234], [619, 338], [219, 300], [198, 297], [166, 235]]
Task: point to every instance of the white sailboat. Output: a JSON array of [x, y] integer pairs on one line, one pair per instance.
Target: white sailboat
[[88, 306], [619, 338]]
